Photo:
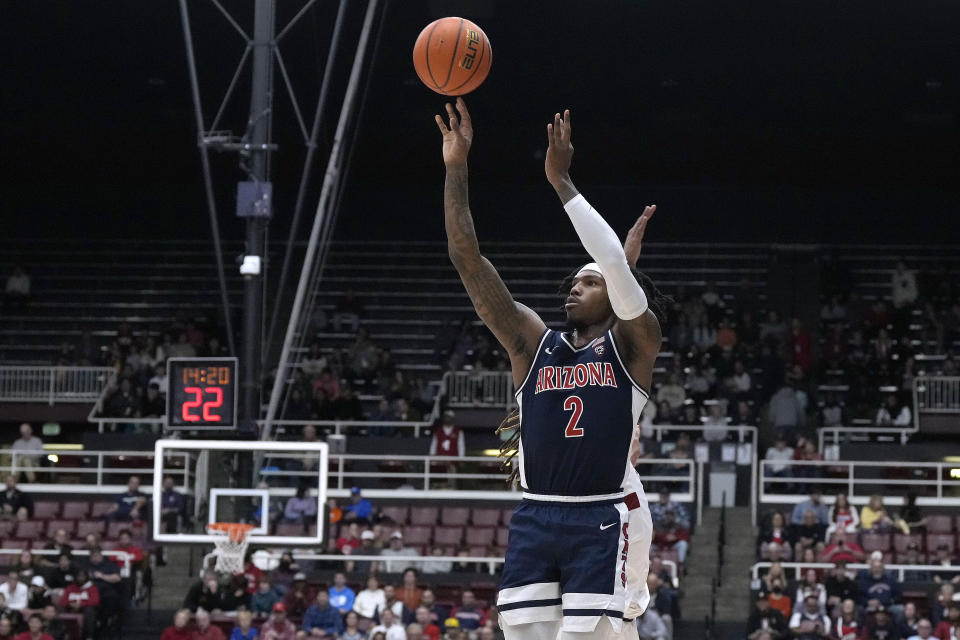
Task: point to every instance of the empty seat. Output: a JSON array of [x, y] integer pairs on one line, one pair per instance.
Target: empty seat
[[486, 517], [875, 542], [6, 528], [902, 540], [454, 516], [114, 529], [936, 540], [477, 552], [416, 535], [66, 525], [100, 509], [902, 558], [939, 523], [448, 536], [423, 515], [86, 527], [480, 536], [396, 514], [15, 544], [76, 510], [503, 535], [29, 530], [46, 509]]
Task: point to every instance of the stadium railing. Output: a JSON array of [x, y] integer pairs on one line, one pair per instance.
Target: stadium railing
[[52, 384], [860, 479], [406, 561], [935, 394], [100, 472], [836, 435], [479, 389], [800, 567]]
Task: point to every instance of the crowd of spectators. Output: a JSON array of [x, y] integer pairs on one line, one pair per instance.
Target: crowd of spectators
[[866, 604]]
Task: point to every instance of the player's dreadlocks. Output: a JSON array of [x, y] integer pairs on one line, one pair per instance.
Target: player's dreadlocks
[[659, 303]]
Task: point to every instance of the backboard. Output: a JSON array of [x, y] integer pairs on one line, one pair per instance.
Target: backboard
[[280, 468]]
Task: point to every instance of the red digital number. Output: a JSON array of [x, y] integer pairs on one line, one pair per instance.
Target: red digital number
[[192, 404], [575, 404], [213, 404]]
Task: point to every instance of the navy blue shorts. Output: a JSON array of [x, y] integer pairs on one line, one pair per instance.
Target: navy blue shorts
[[565, 560]]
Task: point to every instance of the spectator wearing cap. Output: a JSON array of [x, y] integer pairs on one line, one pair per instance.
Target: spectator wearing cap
[[809, 623], [277, 627], [448, 440], [341, 596], [321, 619], [396, 548], [262, 601], [949, 628], [409, 593], [371, 601], [815, 504], [877, 584], [389, 626], [205, 630], [880, 624], [368, 547], [765, 618], [657, 510], [299, 598], [359, 509], [670, 535], [39, 595]]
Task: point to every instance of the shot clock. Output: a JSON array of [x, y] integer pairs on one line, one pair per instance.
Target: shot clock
[[202, 393]]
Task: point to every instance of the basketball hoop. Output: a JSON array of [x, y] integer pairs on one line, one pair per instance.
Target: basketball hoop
[[231, 543]]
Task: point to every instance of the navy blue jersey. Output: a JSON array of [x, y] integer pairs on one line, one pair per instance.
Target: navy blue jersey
[[577, 411]]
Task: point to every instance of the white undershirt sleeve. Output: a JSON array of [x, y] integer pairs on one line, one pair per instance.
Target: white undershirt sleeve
[[601, 242]]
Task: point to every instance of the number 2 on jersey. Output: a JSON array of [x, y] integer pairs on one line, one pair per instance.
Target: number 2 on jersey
[[575, 404]]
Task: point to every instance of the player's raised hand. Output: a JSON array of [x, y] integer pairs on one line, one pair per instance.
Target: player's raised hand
[[634, 242], [559, 148], [457, 134]]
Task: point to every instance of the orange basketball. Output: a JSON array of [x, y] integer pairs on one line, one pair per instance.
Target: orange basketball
[[452, 56]]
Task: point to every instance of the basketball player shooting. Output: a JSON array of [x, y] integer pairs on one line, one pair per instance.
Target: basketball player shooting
[[579, 393]]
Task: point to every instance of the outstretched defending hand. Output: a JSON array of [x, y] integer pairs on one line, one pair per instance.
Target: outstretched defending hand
[[559, 149], [458, 137], [634, 241]]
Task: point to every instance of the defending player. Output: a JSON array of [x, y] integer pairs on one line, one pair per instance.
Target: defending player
[[580, 394]]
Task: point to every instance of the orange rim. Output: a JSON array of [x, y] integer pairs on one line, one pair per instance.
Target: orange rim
[[236, 531]]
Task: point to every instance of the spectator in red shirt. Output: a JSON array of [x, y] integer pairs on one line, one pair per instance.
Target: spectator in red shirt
[[429, 629], [82, 596], [126, 545], [179, 630], [950, 628], [35, 624], [843, 550], [205, 630], [252, 573], [350, 540], [277, 627], [670, 535]]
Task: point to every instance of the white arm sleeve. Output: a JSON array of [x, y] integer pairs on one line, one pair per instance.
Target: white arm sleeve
[[601, 242]]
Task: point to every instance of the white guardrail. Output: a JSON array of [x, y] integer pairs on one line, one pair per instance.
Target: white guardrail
[[936, 394], [800, 567], [464, 389], [51, 385], [860, 479], [838, 435]]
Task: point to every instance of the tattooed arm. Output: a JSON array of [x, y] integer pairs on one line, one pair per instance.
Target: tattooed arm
[[516, 326]]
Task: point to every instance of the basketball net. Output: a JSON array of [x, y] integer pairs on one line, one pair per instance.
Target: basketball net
[[231, 543]]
